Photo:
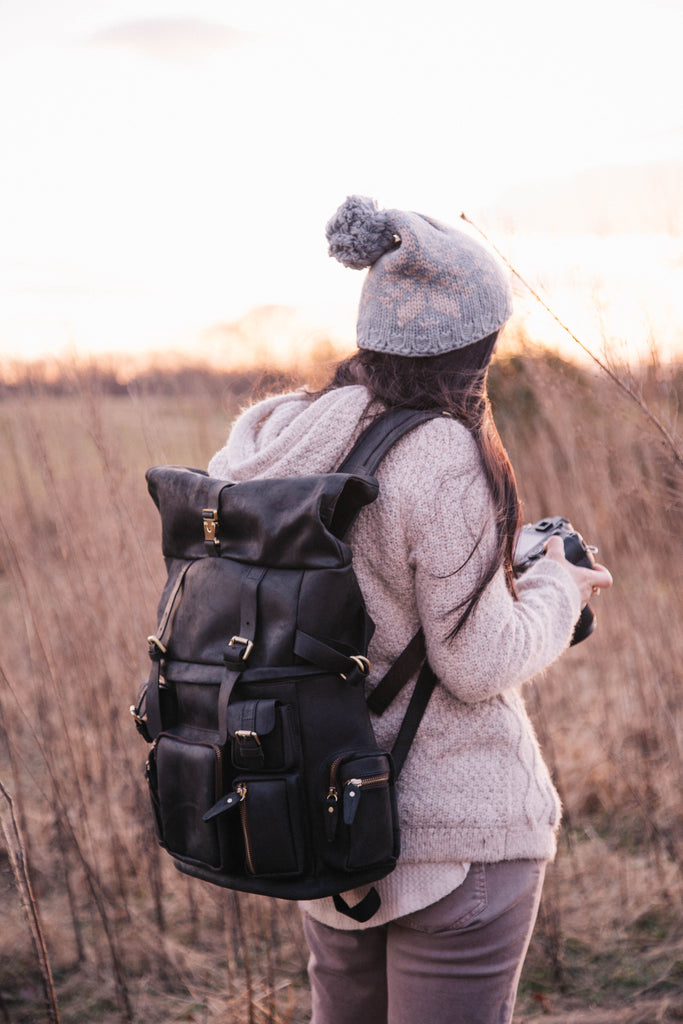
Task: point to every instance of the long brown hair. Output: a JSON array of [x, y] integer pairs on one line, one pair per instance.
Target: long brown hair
[[456, 383]]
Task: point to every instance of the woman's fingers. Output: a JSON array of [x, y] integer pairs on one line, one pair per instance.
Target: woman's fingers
[[555, 548], [589, 581], [603, 580]]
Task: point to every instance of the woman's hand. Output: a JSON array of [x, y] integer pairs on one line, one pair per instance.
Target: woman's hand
[[589, 581]]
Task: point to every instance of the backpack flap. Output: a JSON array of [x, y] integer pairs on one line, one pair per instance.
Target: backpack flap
[[282, 523], [285, 523], [343, 504], [178, 492]]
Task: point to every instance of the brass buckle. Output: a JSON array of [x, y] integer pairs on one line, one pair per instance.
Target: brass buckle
[[363, 664], [210, 517], [153, 642], [244, 735], [134, 712], [248, 645]]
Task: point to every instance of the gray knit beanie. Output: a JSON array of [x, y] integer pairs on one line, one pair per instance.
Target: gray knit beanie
[[430, 288]]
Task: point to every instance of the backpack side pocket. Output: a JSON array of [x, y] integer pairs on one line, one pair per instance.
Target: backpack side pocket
[[360, 812]]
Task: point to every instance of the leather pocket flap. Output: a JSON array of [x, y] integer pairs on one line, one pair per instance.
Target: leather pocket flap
[[252, 716]]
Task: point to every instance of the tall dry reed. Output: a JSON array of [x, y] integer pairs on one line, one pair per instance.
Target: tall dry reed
[[130, 939]]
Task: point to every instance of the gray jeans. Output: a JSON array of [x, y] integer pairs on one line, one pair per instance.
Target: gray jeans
[[455, 962]]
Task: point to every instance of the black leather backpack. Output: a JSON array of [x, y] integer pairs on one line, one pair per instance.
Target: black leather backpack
[[263, 769]]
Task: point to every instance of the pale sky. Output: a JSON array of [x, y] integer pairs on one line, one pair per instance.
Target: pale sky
[[167, 164]]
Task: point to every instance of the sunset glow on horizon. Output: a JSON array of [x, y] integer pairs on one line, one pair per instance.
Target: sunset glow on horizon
[[168, 167]]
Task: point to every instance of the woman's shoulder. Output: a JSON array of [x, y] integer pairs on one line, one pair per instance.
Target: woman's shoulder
[[431, 472], [439, 444]]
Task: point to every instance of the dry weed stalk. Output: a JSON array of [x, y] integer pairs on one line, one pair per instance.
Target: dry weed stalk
[[627, 388], [17, 858], [75, 644], [235, 923]]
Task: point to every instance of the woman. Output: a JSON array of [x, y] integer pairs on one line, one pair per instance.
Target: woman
[[477, 808]]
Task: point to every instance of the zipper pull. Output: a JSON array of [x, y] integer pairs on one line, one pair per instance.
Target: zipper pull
[[226, 803], [331, 814], [351, 799]]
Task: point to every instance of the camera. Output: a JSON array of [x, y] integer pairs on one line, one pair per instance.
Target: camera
[[530, 546]]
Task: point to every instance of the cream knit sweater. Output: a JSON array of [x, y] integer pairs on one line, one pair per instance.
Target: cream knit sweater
[[474, 786]]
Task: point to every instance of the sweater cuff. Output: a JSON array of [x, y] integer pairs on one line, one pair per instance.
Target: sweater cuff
[[546, 569]]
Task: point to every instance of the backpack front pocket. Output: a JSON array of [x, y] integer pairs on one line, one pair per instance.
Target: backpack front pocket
[[360, 812], [186, 778]]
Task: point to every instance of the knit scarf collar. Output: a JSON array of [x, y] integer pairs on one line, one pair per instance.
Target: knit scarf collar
[[292, 434]]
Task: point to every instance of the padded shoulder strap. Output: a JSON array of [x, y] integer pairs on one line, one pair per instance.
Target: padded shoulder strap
[[365, 457], [381, 435], [373, 444]]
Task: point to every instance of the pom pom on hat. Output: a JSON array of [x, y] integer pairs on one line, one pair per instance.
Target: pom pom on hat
[[359, 233], [430, 288]]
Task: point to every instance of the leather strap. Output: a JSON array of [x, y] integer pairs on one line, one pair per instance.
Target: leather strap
[[212, 542], [327, 658], [160, 639], [426, 681], [157, 649], [374, 443], [365, 456], [381, 435], [152, 700], [362, 911], [244, 732], [405, 666], [228, 681], [237, 648]]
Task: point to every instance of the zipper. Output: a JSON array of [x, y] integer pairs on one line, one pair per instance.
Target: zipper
[[352, 793], [370, 781], [333, 775], [332, 801], [219, 769], [350, 796], [241, 790]]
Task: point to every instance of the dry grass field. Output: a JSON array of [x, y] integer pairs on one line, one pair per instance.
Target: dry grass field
[[130, 939]]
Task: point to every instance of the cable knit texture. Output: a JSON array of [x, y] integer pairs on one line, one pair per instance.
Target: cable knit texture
[[474, 786], [430, 289]]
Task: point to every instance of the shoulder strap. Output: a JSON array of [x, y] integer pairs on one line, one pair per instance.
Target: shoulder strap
[[371, 447], [365, 456], [426, 681], [405, 666], [381, 435]]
